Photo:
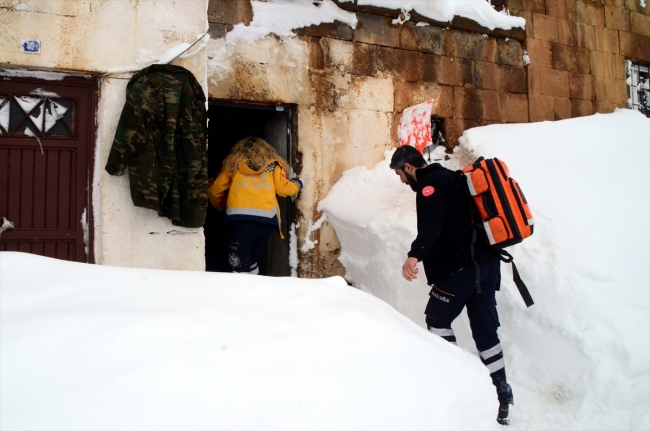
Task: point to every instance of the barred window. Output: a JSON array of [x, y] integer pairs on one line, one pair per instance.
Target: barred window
[[638, 87]]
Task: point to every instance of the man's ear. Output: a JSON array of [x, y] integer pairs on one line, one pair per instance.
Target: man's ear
[[408, 168]]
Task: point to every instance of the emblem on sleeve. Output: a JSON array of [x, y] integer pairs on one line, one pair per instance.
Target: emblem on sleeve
[[428, 191]]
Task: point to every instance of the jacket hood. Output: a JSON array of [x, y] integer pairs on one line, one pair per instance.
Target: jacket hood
[[246, 170]]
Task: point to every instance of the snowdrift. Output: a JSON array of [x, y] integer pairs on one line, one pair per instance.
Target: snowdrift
[[93, 347], [579, 358]]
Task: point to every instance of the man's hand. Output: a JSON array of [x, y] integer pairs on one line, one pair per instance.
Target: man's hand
[[409, 271]]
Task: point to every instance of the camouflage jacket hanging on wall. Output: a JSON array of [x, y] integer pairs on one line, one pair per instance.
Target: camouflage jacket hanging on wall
[[162, 135]]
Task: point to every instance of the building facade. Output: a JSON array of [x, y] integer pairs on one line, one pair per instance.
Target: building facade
[[329, 97]]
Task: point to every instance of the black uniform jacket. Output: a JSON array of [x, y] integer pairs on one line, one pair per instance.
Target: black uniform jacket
[[444, 236]]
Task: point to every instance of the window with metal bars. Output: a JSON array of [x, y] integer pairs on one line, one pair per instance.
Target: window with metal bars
[[638, 87]]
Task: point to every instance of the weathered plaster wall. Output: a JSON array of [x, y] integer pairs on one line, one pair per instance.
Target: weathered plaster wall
[[95, 36]]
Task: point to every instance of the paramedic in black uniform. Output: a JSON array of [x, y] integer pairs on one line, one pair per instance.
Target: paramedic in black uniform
[[444, 246]]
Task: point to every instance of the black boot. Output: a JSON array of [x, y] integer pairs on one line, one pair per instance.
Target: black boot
[[502, 417]]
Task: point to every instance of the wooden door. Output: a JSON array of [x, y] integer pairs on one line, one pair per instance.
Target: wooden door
[[46, 143]]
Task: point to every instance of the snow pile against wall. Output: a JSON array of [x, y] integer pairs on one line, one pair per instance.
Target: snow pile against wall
[[98, 347], [444, 11], [577, 359]]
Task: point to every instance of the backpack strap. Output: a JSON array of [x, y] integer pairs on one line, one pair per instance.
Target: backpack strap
[[521, 286]]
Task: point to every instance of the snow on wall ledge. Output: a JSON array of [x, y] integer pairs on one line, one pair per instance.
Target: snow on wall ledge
[[444, 11], [579, 358]]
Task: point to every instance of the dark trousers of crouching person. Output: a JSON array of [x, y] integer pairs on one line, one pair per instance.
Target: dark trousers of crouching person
[[246, 243], [446, 302]]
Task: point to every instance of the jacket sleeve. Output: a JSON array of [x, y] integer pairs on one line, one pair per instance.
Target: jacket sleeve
[[431, 213], [131, 134], [219, 190], [283, 186]]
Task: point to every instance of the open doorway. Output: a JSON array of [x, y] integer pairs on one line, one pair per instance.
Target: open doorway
[[230, 122]]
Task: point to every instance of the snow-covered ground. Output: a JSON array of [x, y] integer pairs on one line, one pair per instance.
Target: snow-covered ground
[[93, 347], [579, 358]]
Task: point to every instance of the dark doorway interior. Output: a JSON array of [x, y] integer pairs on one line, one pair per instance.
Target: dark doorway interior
[[230, 122]]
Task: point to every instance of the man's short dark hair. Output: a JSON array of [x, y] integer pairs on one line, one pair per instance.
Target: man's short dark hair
[[407, 154]]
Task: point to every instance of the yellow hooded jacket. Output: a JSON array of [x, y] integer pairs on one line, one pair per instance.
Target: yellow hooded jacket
[[251, 194]]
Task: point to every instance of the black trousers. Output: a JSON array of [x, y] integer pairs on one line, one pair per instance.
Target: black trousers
[[246, 242], [446, 302]]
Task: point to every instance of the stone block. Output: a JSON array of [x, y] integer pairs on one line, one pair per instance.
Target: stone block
[[537, 6], [528, 16], [443, 106], [554, 82], [514, 108], [635, 5], [634, 46], [603, 64], [562, 107], [369, 137], [426, 39], [511, 52], [556, 8], [640, 24], [540, 52], [334, 30], [366, 92], [430, 67], [605, 91], [571, 10], [545, 27], [376, 30], [581, 86], [399, 63], [534, 80], [454, 128], [617, 18], [619, 67], [411, 93], [566, 32], [454, 71], [230, 11], [604, 107], [586, 36], [252, 83], [581, 108], [476, 104], [606, 39], [364, 60], [513, 79], [316, 54], [614, 2], [487, 76], [541, 108], [571, 58], [217, 31], [590, 13], [471, 46], [620, 92]]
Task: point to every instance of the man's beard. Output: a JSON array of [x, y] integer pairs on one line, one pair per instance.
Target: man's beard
[[412, 182]]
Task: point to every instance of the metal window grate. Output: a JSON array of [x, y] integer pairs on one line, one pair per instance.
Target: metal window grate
[[638, 87], [45, 117]]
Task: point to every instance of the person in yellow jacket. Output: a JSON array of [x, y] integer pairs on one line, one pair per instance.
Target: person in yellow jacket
[[251, 177]]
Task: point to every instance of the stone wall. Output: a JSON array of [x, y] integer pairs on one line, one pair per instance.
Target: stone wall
[[350, 86], [577, 52]]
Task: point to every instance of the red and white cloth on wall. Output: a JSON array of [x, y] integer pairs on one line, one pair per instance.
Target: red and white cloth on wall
[[415, 126]]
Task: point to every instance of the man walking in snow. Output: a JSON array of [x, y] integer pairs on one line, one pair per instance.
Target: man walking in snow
[[451, 253]]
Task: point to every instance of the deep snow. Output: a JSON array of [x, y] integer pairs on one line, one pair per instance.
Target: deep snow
[[97, 347], [579, 358]]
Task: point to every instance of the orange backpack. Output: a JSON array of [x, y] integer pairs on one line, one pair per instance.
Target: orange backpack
[[502, 210]]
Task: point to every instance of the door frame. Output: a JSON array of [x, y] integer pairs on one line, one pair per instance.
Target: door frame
[[77, 80]]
